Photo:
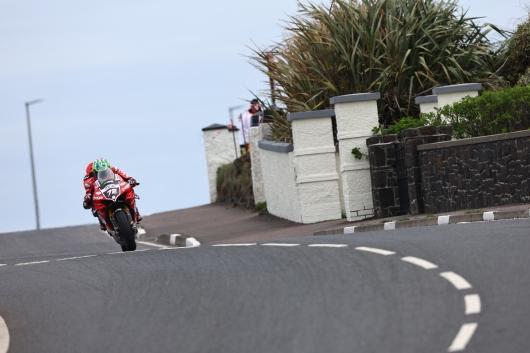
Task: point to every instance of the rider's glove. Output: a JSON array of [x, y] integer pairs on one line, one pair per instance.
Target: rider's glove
[[133, 182], [87, 202]]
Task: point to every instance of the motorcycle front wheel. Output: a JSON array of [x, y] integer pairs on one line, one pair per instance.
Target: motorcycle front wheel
[[128, 242]]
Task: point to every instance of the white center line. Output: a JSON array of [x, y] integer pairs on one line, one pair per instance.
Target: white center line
[[327, 245], [280, 244], [473, 304], [375, 250], [75, 258], [239, 244], [419, 262], [3, 265], [463, 337], [456, 280], [32, 263], [4, 336]]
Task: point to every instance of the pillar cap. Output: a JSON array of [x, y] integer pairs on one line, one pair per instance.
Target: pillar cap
[[357, 97], [426, 99], [282, 147], [464, 87], [219, 127], [313, 114]]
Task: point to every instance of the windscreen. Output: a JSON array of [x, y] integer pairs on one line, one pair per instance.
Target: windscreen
[[105, 175]]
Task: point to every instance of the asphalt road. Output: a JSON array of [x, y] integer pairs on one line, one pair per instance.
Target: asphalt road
[[309, 297]]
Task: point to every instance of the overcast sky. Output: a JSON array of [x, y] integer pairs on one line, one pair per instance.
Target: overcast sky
[[134, 82]]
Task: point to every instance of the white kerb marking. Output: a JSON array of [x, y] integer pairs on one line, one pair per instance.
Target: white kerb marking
[[4, 336], [191, 242], [463, 337], [151, 244], [456, 280], [32, 263], [349, 230], [173, 238], [240, 244], [327, 245], [390, 225], [375, 250], [75, 258], [419, 262], [473, 304], [488, 216], [443, 220], [280, 244]]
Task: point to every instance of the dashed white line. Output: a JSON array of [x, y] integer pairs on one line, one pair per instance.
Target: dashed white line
[[327, 245], [419, 262], [280, 244], [473, 304], [239, 244], [3, 265], [75, 258], [4, 336], [463, 337], [32, 263], [375, 250], [456, 280]]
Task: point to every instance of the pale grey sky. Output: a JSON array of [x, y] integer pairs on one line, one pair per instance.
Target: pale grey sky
[[134, 82]]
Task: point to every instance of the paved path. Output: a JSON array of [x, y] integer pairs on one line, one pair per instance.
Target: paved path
[[435, 289]]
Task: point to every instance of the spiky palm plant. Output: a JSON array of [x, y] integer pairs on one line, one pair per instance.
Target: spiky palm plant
[[401, 48]]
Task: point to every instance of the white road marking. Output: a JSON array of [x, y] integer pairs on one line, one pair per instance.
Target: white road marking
[[327, 245], [4, 336], [443, 220], [390, 225], [488, 216], [463, 337], [239, 244], [115, 253], [473, 304], [419, 262], [349, 230], [75, 258], [3, 265], [280, 244], [151, 244], [191, 242], [142, 250], [375, 250], [456, 280], [32, 263]]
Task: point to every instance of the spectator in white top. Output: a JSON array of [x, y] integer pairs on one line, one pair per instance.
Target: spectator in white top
[[246, 121]]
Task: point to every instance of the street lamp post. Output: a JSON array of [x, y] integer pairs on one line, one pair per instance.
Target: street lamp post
[[231, 112], [36, 201]]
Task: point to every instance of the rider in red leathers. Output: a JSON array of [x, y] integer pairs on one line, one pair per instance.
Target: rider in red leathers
[[88, 183]]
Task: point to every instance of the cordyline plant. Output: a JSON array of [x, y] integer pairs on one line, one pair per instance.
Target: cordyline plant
[[401, 48]]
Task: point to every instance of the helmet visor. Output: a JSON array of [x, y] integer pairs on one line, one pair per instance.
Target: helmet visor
[[105, 175]]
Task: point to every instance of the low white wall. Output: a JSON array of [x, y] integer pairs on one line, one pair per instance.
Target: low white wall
[[280, 185], [256, 134]]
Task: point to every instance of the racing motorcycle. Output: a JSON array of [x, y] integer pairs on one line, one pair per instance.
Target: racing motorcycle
[[110, 194]]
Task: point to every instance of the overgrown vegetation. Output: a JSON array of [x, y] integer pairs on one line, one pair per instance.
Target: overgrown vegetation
[[518, 54], [399, 48], [234, 183]]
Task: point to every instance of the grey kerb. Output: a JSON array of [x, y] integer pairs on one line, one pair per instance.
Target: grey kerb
[[315, 114], [464, 87], [272, 146], [358, 97], [474, 140]]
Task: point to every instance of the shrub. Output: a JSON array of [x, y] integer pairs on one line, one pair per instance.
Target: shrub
[[407, 123], [518, 53], [234, 183], [490, 113]]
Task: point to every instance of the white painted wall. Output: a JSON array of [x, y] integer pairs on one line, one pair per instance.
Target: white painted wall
[[355, 121], [450, 98], [219, 147], [256, 134], [280, 185], [316, 170], [428, 107]]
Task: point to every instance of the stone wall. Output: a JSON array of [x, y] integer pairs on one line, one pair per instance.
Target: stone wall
[[477, 172], [395, 170]]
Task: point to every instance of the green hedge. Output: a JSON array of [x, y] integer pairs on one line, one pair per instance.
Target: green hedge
[[234, 183]]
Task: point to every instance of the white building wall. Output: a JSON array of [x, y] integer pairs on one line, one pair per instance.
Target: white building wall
[[256, 134], [219, 148], [356, 117], [280, 185]]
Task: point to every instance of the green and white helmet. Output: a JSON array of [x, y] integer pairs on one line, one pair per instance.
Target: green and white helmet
[[100, 164]]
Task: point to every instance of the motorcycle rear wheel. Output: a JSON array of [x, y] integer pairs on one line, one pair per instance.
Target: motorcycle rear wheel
[[128, 242]]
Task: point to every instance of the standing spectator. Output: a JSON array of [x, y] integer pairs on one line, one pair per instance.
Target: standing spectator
[[246, 121]]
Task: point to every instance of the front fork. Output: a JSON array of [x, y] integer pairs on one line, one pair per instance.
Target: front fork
[[115, 223]]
